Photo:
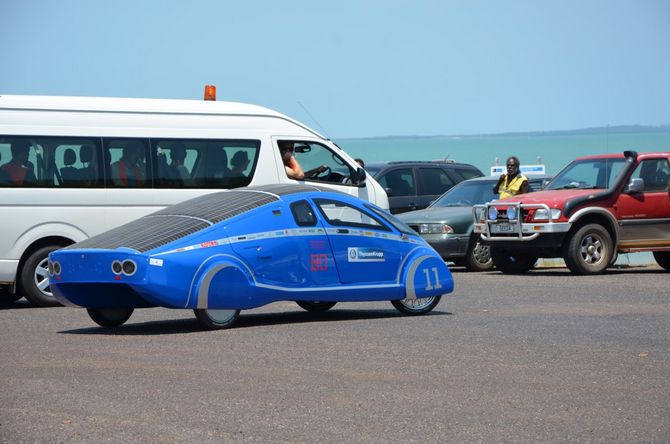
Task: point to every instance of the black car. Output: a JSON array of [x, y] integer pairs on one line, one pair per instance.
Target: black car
[[413, 185], [447, 224]]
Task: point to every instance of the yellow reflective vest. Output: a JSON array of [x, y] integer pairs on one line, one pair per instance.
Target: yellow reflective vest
[[511, 188]]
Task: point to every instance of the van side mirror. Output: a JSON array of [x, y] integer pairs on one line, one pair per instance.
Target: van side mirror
[[635, 185], [358, 177]]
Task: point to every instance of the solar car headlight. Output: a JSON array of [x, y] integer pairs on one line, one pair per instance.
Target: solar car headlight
[[541, 214], [56, 268], [493, 213], [117, 268], [129, 267], [511, 213], [435, 229]]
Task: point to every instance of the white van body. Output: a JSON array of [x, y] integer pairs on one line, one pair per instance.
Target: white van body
[[47, 214]]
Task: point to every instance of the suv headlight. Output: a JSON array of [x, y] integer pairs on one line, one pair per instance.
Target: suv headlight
[[435, 229], [541, 214]]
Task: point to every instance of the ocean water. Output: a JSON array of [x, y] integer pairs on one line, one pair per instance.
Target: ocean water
[[485, 151], [554, 151]]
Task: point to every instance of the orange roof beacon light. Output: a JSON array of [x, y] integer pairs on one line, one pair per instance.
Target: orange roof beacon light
[[210, 92]]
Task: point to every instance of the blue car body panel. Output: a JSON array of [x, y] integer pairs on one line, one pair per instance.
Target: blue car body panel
[[248, 247]]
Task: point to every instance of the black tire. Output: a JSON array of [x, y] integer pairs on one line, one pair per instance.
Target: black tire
[[478, 257], [6, 297], [512, 263], [35, 278], [213, 319], [662, 259], [316, 306], [110, 317], [414, 307], [588, 250]]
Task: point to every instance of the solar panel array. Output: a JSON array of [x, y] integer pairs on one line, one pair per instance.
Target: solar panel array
[[180, 220]]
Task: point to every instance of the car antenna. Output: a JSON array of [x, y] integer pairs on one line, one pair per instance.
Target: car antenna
[[314, 119]]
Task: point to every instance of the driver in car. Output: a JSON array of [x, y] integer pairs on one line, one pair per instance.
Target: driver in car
[[291, 164]]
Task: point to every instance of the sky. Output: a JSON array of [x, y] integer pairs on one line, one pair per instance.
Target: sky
[[357, 68]]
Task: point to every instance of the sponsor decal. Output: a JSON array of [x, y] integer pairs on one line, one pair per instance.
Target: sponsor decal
[[363, 254], [276, 212], [317, 244], [156, 262], [209, 244]]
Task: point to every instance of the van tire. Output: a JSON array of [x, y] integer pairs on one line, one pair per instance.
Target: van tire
[[662, 259], [6, 297], [34, 278], [588, 250]]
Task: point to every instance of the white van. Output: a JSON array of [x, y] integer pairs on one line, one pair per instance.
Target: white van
[[73, 167]]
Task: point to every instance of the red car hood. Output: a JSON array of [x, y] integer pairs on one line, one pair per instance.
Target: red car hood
[[552, 198]]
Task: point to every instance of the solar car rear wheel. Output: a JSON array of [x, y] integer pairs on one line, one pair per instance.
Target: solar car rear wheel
[[214, 319], [316, 305], [418, 306], [110, 317]]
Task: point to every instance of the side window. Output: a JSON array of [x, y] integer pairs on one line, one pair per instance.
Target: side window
[[222, 163], [49, 162], [655, 173], [398, 182], [127, 163], [303, 213], [174, 162], [341, 214], [434, 181], [321, 164], [467, 173], [77, 164]]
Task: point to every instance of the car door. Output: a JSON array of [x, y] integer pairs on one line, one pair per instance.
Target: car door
[[366, 249], [645, 216], [433, 183], [400, 185]]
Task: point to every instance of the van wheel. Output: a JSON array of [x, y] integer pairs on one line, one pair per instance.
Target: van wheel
[[512, 263], [589, 250], [110, 317], [216, 319], [662, 259], [478, 257], [35, 278], [315, 306]]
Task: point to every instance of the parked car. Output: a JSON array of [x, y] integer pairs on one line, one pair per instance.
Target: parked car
[[595, 208], [447, 223], [414, 185], [244, 248]]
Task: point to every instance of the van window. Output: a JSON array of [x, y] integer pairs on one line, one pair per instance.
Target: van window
[[313, 155], [193, 163], [126, 163], [48, 162]]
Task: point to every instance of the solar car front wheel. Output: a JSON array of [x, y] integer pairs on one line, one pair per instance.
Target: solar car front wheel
[[315, 305], [417, 306], [109, 317], [215, 319]]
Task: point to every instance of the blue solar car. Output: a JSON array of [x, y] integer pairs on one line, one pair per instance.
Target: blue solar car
[[232, 250]]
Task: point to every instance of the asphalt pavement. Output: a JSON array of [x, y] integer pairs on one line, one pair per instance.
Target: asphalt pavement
[[544, 357]]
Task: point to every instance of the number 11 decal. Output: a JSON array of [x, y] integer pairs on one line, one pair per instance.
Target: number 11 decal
[[429, 286]]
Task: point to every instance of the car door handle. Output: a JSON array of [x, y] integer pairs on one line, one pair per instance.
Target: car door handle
[[342, 230]]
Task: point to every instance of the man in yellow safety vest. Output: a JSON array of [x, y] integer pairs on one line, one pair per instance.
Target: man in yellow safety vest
[[513, 182]]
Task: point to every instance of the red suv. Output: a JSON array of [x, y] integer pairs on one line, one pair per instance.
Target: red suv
[[596, 207]]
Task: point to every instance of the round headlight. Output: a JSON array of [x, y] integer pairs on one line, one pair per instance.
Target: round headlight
[[493, 213], [511, 213], [116, 267], [50, 267], [129, 267], [56, 268]]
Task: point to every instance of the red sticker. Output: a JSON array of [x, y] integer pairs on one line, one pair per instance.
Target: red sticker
[[209, 244], [318, 262]]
